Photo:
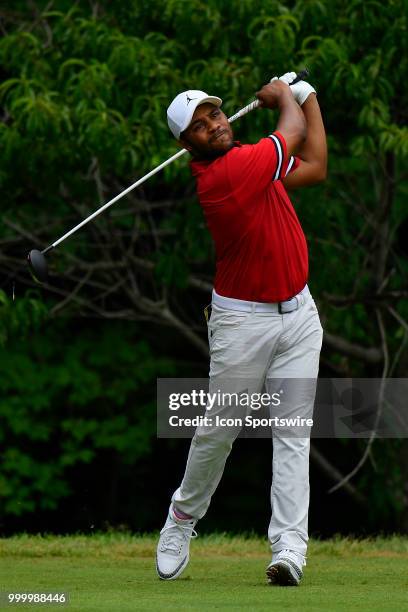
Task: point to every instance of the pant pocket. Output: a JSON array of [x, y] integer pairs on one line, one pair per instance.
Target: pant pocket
[[228, 319]]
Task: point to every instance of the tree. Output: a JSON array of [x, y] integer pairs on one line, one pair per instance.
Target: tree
[[83, 101]]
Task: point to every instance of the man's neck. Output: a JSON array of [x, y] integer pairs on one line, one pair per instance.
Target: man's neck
[[210, 155]]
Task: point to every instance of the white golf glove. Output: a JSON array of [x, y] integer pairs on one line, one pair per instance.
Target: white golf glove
[[300, 90]]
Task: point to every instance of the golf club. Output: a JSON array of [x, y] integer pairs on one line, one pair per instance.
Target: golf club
[[36, 259]]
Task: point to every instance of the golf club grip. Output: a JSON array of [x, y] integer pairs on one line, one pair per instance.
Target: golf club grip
[[300, 76], [255, 103]]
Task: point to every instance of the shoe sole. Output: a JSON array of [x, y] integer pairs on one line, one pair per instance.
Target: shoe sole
[[176, 572], [280, 574]]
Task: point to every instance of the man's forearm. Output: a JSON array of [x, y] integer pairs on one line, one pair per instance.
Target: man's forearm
[[291, 123], [314, 149]]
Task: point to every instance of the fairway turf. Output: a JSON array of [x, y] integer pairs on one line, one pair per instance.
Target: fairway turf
[[116, 572]]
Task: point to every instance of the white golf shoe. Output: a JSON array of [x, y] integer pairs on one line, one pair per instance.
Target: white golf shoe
[[286, 568], [174, 545]]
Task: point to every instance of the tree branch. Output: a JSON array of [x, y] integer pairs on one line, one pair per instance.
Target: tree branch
[[334, 474], [373, 433], [369, 355]]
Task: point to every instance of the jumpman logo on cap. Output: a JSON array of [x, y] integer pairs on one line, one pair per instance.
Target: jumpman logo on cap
[[189, 99]]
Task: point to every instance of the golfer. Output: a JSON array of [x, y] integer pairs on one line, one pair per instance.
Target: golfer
[[264, 326]]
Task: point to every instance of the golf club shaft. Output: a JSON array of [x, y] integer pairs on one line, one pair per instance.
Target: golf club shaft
[[250, 107], [116, 198]]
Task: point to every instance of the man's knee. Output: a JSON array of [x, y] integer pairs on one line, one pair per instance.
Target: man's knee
[[220, 439]]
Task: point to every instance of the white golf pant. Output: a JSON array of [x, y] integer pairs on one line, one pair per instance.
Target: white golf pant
[[258, 350]]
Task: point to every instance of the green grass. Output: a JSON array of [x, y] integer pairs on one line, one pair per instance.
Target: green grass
[[115, 572]]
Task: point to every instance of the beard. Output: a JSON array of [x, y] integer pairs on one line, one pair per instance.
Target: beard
[[210, 154], [201, 153]]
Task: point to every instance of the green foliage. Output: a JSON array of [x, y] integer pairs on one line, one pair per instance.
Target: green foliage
[[18, 318], [85, 86], [65, 402]]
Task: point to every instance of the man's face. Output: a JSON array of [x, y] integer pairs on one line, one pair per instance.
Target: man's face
[[209, 134]]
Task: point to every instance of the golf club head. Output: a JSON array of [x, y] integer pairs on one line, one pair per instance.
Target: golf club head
[[38, 266]]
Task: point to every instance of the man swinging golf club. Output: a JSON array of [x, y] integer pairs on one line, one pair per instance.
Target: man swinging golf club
[[264, 325]]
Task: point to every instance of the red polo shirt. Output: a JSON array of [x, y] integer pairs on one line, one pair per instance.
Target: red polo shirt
[[261, 251]]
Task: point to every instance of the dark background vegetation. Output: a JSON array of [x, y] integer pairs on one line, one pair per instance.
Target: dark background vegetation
[[84, 90]]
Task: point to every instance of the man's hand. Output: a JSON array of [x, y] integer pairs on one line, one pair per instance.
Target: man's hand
[[291, 122], [272, 94], [300, 90]]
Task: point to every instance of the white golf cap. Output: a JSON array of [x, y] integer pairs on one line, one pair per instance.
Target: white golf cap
[[181, 110]]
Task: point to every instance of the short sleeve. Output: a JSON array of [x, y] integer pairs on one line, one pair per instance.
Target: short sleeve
[[254, 167], [291, 165]]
